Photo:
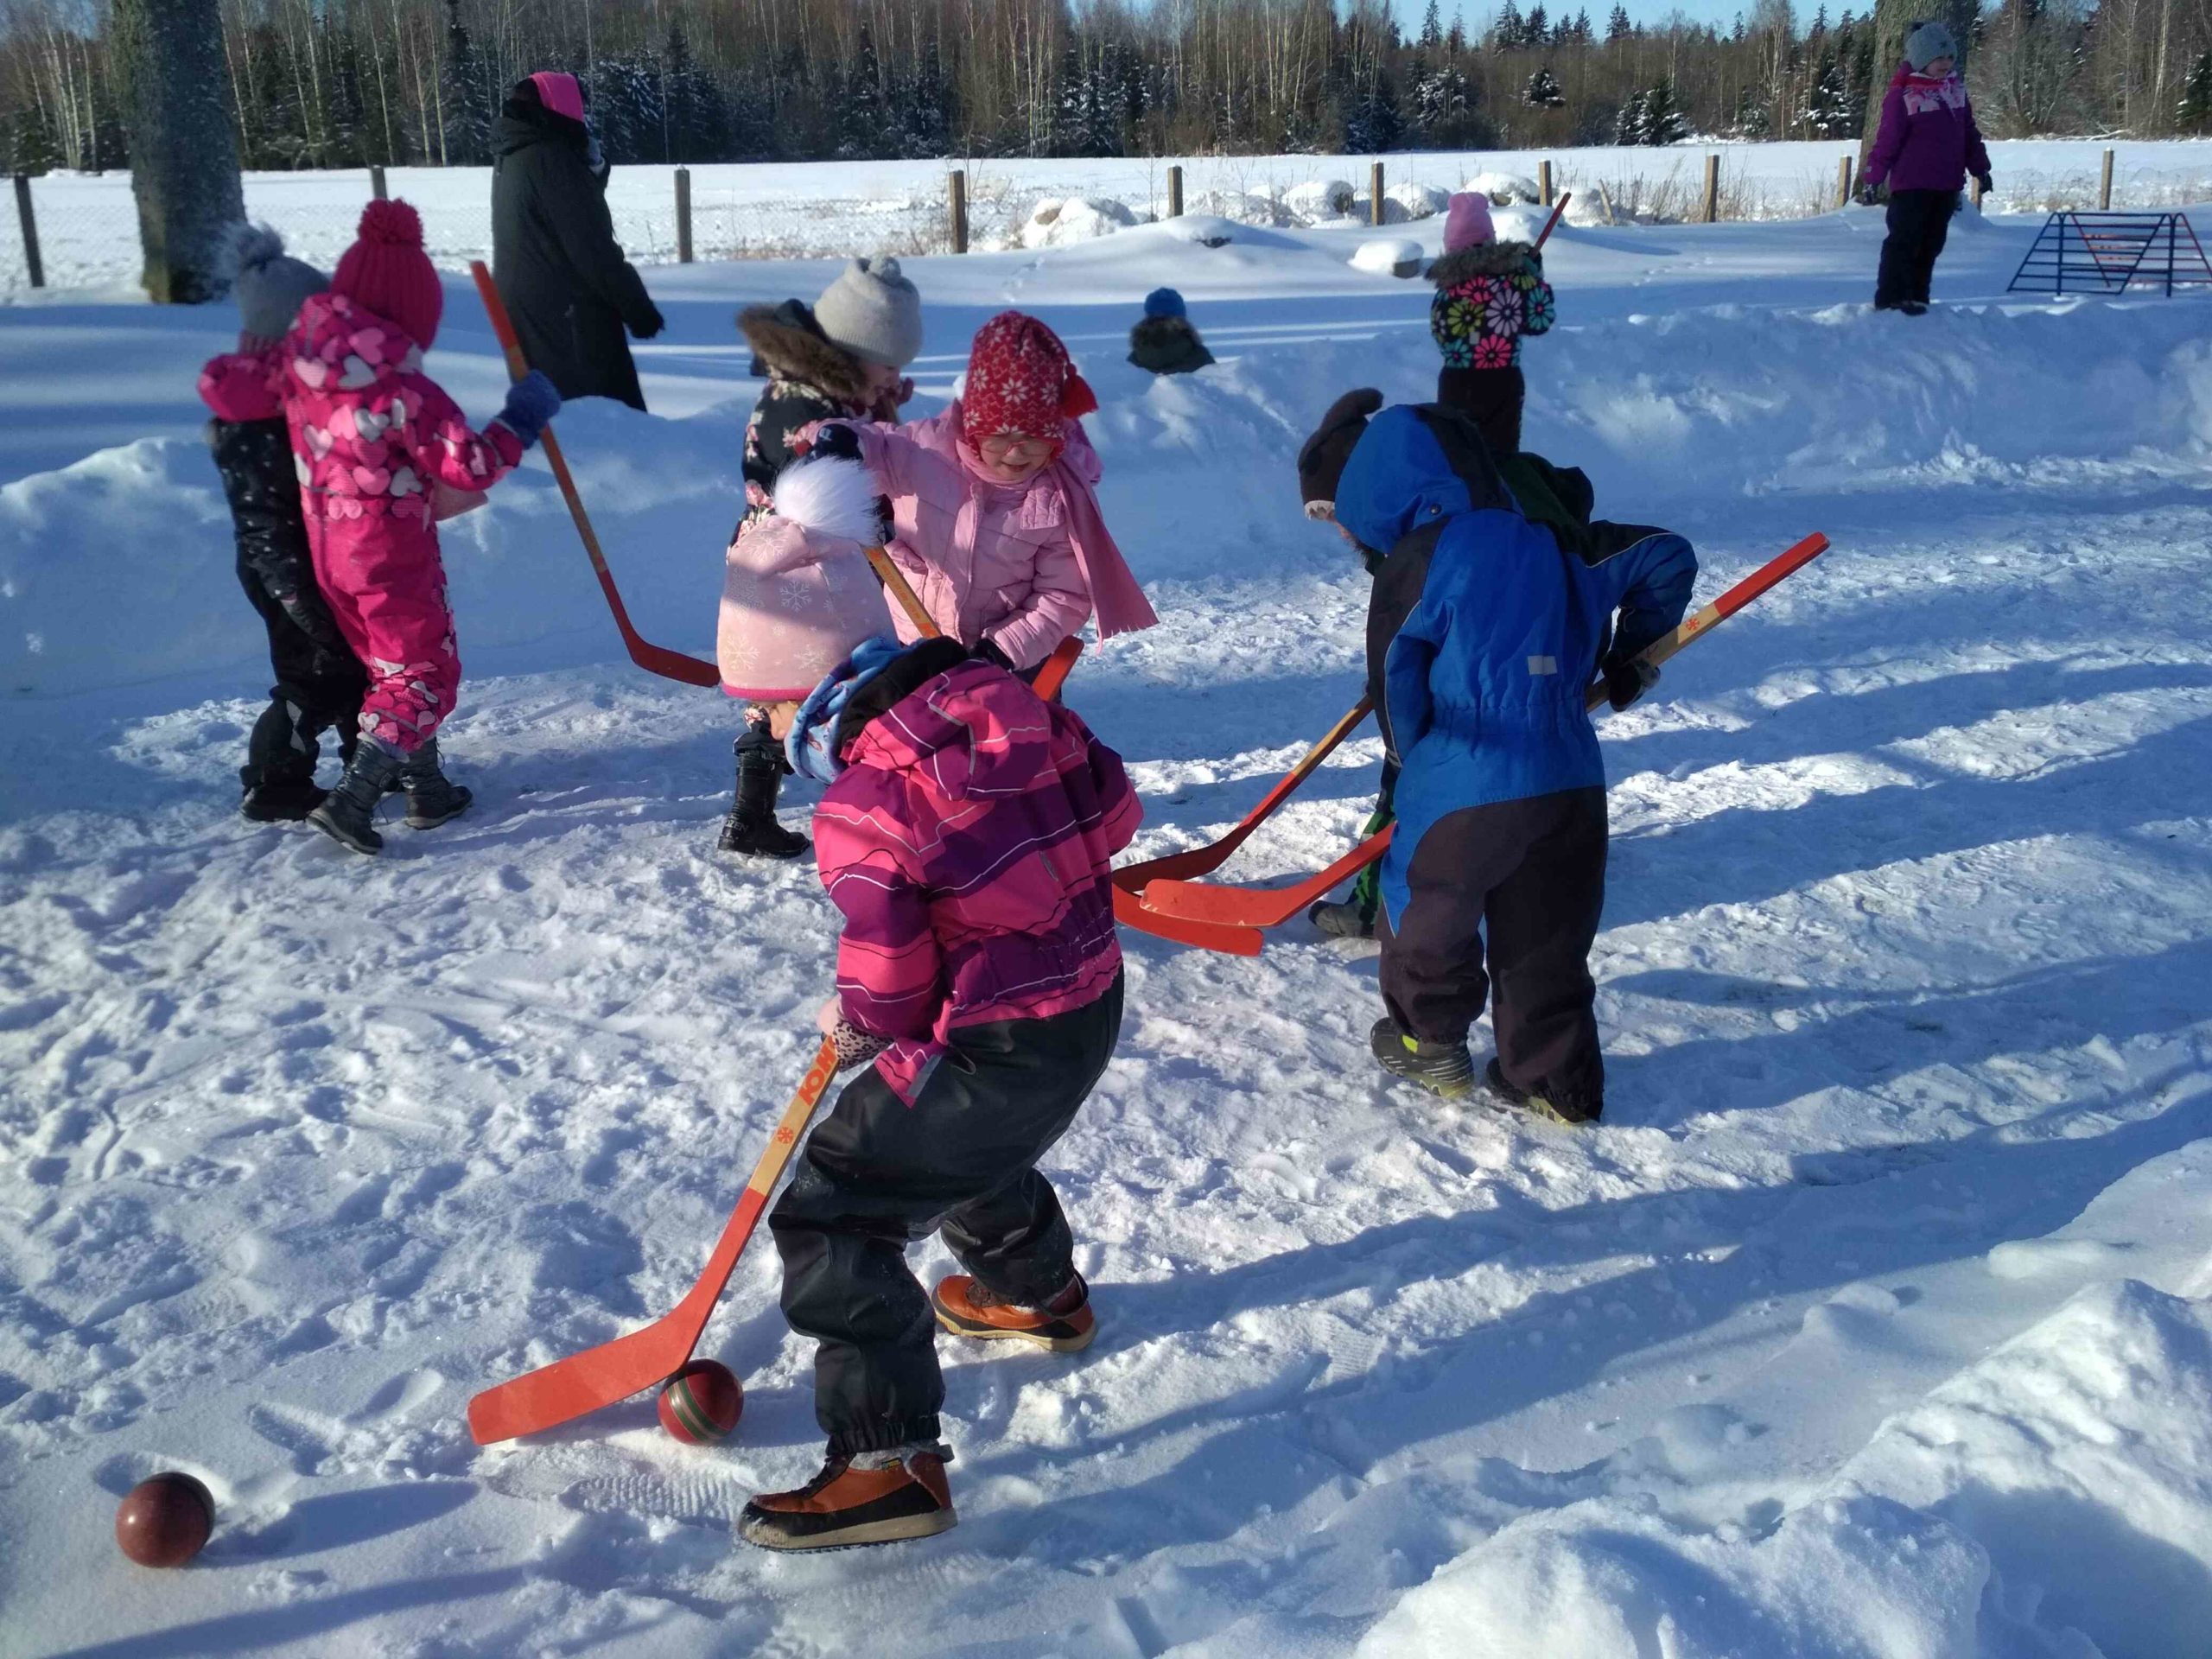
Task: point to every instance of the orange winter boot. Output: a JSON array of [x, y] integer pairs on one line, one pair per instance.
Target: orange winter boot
[[1063, 1325], [875, 1497]]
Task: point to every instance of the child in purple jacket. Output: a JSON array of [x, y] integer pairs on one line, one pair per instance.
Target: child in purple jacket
[[1927, 145]]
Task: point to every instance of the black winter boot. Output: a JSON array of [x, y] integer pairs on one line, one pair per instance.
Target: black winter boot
[[750, 826], [349, 812], [432, 798], [284, 801], [1574, 1114], [1445, 1070]]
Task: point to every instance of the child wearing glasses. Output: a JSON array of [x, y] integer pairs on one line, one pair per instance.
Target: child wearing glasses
[[995, 506]]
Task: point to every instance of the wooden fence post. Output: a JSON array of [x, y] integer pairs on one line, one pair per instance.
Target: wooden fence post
[[1375, 193], [1976, 195], [682, 215], [375, 181], [1544, 181], [1843, 181], [1711, 189], [957, 198], [1175, 193], [28, 222], [2104, 190]]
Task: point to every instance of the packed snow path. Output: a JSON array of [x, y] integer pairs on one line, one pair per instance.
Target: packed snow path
[[1871, 1321]]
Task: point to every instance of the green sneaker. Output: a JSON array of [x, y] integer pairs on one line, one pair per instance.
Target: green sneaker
[[1445, 1070]]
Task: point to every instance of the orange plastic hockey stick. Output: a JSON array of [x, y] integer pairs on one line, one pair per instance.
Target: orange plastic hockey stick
[[567, 1388], [654, 659], [1249, 907]]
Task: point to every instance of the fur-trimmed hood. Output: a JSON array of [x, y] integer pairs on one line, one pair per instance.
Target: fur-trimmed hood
[[1168, 345], [1483, 259], [789, 345]]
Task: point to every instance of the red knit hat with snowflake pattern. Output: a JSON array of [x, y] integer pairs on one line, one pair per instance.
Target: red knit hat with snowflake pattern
[[387, 272], [1021, 379]]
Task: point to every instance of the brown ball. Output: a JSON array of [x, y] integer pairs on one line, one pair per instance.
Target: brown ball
[[164, 1521]]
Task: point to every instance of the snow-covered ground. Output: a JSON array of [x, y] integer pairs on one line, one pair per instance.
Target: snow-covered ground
[[1873, 1321], [88, 227]]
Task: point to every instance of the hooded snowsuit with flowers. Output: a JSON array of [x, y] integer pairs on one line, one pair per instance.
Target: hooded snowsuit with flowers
[[1488, 297], [371, 437]]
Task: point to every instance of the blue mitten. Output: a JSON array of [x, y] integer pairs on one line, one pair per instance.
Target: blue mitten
[[532, 402]]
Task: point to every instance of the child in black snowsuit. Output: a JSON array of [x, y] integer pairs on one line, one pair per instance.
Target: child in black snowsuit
[[320, 683], [841, 358], [1166, 341], [1484, 632]]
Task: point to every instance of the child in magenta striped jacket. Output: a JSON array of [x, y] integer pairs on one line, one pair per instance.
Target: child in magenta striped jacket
[[967, 835]]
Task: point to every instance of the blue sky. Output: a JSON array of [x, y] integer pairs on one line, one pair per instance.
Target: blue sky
[[1477, 13]]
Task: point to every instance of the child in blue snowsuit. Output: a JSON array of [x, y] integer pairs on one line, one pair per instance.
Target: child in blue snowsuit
[[1483, 635]]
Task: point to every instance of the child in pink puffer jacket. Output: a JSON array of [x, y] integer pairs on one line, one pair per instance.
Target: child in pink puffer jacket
[[995, 504], [374, 439]]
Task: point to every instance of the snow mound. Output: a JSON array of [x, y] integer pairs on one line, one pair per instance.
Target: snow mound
[[1244, 207], [1056, 223], [1415, 200], [2013, 1512], [1388, 255], [1319, 201], [1503, 188], [1205, 230]]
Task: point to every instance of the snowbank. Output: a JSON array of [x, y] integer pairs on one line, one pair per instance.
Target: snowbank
[[2055, 1499], [115, 569], [1389, 257]]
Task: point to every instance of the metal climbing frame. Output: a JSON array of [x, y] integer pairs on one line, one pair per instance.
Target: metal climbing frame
[[2104, 253]]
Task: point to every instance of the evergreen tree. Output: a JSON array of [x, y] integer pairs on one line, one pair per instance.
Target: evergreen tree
[[1663, 121], [1536, 27], [1456, 42], [925, 104], [1752, 119], [1506, 33], [1372, 123], [468, 116], [1432, 32], [1634, 126], [1829, 109], [863, 131], [1542, 92], [2195, 111], [1617, 27]]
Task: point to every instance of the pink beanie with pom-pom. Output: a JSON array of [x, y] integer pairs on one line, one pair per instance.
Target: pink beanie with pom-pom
[[1466, 221], [387, 272]]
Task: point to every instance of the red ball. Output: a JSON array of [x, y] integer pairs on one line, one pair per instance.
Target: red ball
[[163, 1522], [701, 1402]]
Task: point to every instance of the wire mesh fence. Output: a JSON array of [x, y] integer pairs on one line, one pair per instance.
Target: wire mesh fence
[[87, 232]]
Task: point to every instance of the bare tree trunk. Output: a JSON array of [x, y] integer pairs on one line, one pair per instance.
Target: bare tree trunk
[[1893, 21], [184, 158]]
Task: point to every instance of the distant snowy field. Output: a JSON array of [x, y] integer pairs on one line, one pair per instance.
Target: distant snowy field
[[1875, 1321], [88, 231]]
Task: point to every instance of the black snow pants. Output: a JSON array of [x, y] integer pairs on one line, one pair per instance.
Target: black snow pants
[[1920, 223], [1532, 875], [878, 1175], [319, 684], [1491, 399]]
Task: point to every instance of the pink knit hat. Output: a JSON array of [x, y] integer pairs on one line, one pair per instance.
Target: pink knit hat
[[559, 93], [1466, 221], [387, 272]]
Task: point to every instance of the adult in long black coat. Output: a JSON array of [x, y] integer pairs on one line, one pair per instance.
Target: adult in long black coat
[[554, 255]]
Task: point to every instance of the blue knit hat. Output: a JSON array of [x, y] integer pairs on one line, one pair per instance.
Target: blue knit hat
[[812, 746], [1163, 302]]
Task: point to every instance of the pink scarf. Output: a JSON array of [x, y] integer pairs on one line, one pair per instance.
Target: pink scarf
[[1116, 597]]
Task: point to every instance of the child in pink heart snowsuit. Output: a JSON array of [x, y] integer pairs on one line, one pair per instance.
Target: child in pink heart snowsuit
[[996, 505], [374, 440]]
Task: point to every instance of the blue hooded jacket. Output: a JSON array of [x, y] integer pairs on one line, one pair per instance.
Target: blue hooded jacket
[[1485, 631]]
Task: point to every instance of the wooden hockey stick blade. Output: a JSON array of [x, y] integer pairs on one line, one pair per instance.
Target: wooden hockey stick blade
[[567, 1388], [1234, 906], [1203, 936], [654, 659], [894, 582], [1198, 860]]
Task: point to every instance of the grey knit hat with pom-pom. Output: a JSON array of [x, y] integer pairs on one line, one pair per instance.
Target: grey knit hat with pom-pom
[[873, 311], [267, 283]]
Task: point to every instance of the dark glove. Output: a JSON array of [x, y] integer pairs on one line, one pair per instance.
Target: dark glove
[[837, 440], [988, 651], [1627, 678], [1982, 179], [854, 1045], [532, 402], [1866, 192], [652, 325]]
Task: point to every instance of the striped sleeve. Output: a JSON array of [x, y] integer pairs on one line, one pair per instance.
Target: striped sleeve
[[890, 972]]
